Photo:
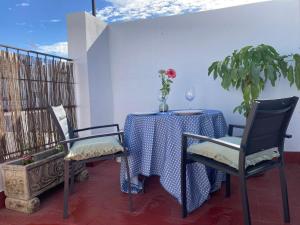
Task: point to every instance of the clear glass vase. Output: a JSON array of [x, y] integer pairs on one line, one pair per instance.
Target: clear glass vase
[[163, 106]]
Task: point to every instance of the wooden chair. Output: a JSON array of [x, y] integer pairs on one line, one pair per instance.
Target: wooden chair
[[260, 149], [87, 149]]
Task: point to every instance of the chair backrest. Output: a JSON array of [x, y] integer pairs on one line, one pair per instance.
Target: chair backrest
[[267, 123], [60, 119]]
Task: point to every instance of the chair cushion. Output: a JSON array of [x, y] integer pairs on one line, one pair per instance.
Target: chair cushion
[[61, 116], [94, 147], [230, 156]]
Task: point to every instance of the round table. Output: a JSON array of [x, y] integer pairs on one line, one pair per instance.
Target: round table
[[154, 144]]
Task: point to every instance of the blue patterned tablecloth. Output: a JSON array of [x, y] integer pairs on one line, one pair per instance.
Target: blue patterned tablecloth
[[154, 143]]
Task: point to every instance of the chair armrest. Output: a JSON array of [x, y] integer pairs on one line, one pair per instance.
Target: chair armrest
[[288, 136], [231, 126], [90, 137], [237, 126], [97, 127], [212, 140]]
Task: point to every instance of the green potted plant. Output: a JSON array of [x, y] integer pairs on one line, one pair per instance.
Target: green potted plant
[[250, 68]]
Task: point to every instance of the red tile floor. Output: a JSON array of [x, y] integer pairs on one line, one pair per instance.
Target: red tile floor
[[99, 201]]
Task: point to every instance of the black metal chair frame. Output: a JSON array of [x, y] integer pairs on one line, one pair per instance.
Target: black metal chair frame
[[264, 107], [69, 165]]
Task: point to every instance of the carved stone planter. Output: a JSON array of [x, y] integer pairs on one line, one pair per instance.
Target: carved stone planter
[[22, 184]]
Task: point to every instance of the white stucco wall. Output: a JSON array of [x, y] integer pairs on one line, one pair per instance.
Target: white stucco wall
[[135, 51], [190, 43], [100, 82], [86, 36]]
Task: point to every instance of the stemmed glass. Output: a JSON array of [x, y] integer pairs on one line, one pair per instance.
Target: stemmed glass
[[190, 95]]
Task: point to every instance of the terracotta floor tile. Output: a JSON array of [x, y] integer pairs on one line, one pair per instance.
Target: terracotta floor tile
[[98, 201]]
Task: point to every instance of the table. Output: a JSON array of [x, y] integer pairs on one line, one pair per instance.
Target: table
[[154, 144]]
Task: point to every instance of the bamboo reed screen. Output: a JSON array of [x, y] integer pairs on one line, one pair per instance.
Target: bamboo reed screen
[[28, 86]]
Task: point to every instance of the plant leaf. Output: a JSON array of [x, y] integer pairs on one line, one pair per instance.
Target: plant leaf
[[212, 67], [290, 75]]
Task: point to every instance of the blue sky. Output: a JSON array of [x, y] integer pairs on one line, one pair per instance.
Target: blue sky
[[30, 23], [41, 24]]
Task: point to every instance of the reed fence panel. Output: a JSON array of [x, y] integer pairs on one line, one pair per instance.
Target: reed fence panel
[[29, 84]]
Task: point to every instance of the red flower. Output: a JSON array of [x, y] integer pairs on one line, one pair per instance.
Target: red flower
[[171, 73], [27, 157]]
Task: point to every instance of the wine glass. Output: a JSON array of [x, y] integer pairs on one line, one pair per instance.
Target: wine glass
[[190, 95]]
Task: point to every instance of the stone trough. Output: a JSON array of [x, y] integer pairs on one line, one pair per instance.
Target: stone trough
[[23, 183]]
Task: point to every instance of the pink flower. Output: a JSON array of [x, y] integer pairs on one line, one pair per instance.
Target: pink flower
[[27, 157], [171, 73]]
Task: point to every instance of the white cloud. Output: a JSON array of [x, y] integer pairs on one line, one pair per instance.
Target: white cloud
[[59, 48], [23, 4], [21, 24], [123, 10], [51, 21], [54, 21]]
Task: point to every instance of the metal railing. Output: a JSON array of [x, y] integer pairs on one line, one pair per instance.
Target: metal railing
[[36, 53]]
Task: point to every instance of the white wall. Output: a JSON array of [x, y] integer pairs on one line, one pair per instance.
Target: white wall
[[83, 31], [190, 43], [100, 82]]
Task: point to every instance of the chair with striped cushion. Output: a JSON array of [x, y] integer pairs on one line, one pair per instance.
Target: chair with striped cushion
[[260, 149], [87, 149]]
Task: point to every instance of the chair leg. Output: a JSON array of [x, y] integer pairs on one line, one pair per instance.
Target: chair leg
[[66, 187], [144, 182], [284, 192], [129, 183], [245, 202], [228, 188], [72, 165], [183, 187]]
